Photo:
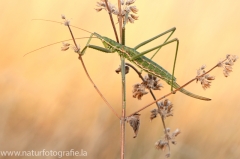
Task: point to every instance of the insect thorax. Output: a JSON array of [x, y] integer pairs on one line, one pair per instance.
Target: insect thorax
[[122, 50]]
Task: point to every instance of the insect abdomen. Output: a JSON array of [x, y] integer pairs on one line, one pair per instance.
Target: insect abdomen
[[153, 68]]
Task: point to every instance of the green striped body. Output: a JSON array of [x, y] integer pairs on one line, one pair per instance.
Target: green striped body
[[144, 63]]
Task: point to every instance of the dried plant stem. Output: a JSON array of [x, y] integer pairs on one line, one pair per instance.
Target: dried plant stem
[[173, 92], [111, 19], [123, 122], [163, 122], [122, 119], [123, 107], [90, 79]]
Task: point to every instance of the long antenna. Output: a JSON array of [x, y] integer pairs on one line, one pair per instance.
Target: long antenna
[[53, 44], [62, 23]]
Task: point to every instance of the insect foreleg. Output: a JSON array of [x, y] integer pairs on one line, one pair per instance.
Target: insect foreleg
[[85, 48], [94, 47]]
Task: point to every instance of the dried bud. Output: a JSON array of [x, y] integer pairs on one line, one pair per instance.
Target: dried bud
[[130, 19], [152, 82], [228, 56], [165, 108], [203, 67], [134, 122], [228, 68], [76, 49], [115, 11], [134, 16], [208, 77], [225, 73], [63, 16], [129, 2], [220, 64], [205, 83], [176, 133], [133, 9], [154, 113], [65, 44], [119, 69], [161, 144], [139, 91], [234, 58], [66, 22], [230, 63], [64, 48], [98, 9]]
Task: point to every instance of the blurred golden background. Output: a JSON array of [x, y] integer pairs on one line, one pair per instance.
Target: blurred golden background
[[47, 102]]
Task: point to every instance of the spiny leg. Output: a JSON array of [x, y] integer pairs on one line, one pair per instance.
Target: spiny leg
[[158, 47], [172, 30]]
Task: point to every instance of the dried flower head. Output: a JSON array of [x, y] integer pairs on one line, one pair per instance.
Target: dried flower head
[[161, 144], [102, 5], [134, 122], [165, 108], [127, 9], [66, 22], [119, 69], [125, 12], [175, 133], [204, 79], [154, 113], [65, 46], [76, 48], [63, 16], [168, 137], [139, 91], [151, 82], [227, 65]]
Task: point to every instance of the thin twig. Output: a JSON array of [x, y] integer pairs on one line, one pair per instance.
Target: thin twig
[[173, 92], [120, 18], [139, 73], [85, 69], [111, 19], [80, 58], [163, 122]]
